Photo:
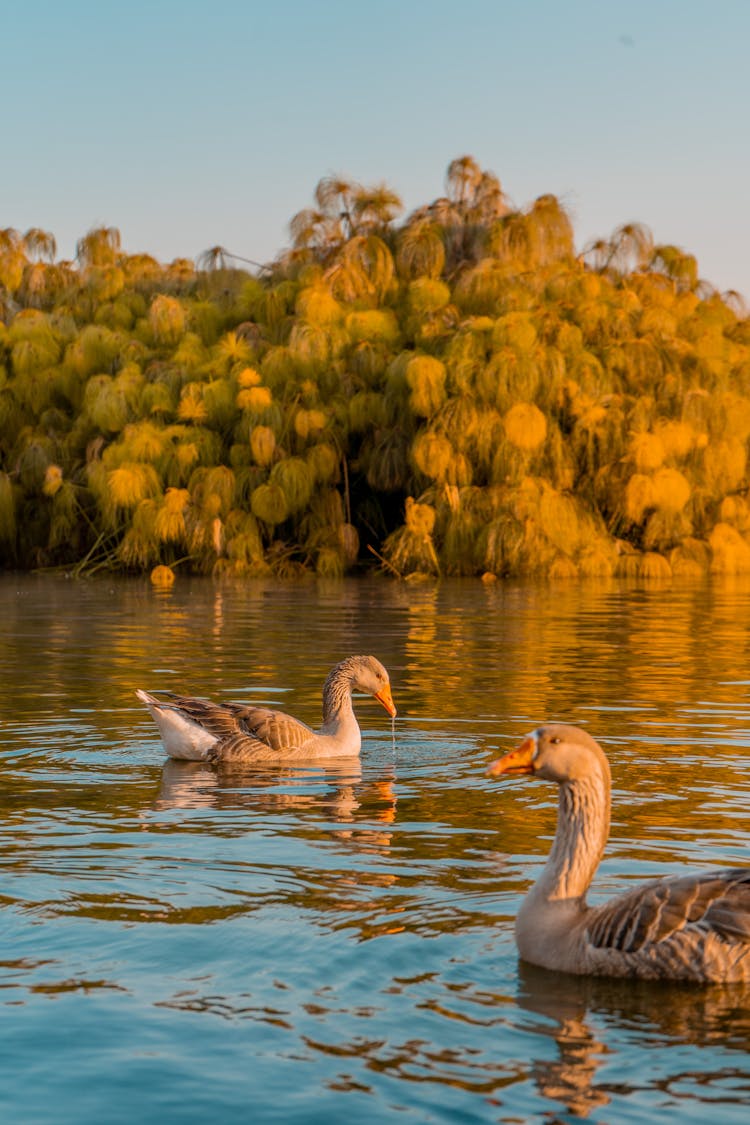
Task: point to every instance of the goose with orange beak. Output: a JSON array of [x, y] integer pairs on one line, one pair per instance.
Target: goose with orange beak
[[199, 730], [690, 927]]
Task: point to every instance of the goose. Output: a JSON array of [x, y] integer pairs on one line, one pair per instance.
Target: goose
[[688, 928], [199, 730]]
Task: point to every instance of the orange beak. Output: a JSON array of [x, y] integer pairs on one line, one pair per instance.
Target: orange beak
[[385, 698], [517, 762]]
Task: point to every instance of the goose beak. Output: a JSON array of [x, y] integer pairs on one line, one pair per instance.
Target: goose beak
[[517, 762], [385, 698]]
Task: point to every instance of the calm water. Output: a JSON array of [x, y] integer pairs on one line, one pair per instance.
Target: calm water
[[179, 944]]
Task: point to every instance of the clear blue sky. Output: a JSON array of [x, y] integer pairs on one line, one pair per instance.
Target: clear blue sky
[[189, 124]]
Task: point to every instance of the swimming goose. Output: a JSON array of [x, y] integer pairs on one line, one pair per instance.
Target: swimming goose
[[688, 927], [199, 730]]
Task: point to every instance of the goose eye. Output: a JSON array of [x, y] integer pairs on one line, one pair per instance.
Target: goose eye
[[555, 740]]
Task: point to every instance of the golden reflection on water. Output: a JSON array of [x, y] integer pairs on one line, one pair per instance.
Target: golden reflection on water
[[409, 852], [507, 645]]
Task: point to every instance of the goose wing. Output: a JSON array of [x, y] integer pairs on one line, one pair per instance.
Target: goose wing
[[238, 722], [716, 902], [275, 729]]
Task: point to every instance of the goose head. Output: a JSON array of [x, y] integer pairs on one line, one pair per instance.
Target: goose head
[[368, 675], [556, 752]]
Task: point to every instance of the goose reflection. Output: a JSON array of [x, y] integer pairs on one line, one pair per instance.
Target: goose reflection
[[582, 1011], [338, 789]]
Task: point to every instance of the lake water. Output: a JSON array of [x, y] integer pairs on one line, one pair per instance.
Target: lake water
[[306, 945]]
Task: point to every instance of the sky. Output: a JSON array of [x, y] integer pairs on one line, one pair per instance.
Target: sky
[[190, 124]]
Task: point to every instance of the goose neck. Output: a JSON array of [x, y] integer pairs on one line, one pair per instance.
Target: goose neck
[[582, 831], [337, 696]]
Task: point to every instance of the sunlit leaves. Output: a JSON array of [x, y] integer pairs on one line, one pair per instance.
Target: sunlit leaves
[[167, 319], [131, 483], [296, 481], [269, 504], [364, 271], [12, 259], [420, 251], [461, 391], [169, 523], [263, 444], [99, 247], [425, 376], [525, 426]]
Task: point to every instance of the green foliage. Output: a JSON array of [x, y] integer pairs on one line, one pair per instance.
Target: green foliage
[[464, 392], [268, 503]]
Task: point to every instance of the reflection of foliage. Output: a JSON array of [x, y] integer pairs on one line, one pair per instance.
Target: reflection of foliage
[[555, 413]]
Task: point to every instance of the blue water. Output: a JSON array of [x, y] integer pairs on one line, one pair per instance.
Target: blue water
[[180, 943]]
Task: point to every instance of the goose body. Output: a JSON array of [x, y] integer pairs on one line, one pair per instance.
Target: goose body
[[690, 927], [199, 730]]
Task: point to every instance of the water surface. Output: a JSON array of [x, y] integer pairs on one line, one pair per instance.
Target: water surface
[[181, 943]]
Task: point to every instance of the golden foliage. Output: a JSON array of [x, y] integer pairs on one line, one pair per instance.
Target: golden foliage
[[167, 319], [525, 426], [145, 441], [677, 438], [233, 350], [93, 350], [515, 330], [550, 402], [268, 503], [562, 567], [244, 543], [671, 490], [192, 407], [730, 552], [316, 305], [131, 483], [410, 553], [691, 559], [420, 251], [53, 480], [596, 563], [639, 497], [364, 271], [735, 511], [64, 517], [255, 400], [323, 463], [330, 563], [106, 404], [139, 547], [435, 456], [263, 444], [725, 464], [163, 577], [425, 376], [736, 416], [309, 423], [170, 517], [647, 451], [366, 410], [296, 481], [648, 564], [248, 377], [420, 518], [374, 326]]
